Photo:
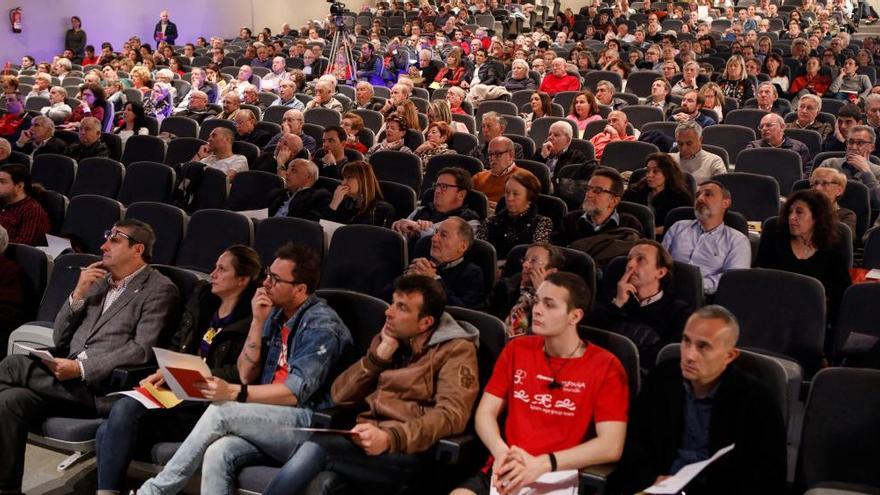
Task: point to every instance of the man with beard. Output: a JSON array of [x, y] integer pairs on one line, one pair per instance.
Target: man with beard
[[706, 242]]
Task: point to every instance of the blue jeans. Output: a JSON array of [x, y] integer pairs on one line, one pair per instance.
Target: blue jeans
[[228, 436], [118, 437], [386, 473]]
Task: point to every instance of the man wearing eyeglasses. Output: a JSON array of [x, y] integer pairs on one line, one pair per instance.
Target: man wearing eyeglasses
[[288, 360], [450, 191], [856, 165], [114, 317], [599, 213], [501, 164], [772, 129], [197, 107]]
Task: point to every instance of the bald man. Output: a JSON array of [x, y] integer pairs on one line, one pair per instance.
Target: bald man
[[559, 79], [298, 198], [614, 131], [691, 407]]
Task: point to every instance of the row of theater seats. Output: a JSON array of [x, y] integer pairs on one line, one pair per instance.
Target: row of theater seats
[[780, 313]]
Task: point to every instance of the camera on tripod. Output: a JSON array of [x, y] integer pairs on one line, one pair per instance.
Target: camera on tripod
[[336, 8]]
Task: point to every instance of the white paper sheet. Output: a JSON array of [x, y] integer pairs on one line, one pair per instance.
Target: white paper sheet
[[56, 245], [679, 480], [873, 274], [329, 230], [40, 353], [256, 214], [555, 483], [170, 359]]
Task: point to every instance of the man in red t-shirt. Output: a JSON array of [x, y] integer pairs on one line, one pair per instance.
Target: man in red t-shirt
[[556, 390]]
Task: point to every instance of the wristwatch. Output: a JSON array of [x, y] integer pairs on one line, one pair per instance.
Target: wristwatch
[[242, 393]]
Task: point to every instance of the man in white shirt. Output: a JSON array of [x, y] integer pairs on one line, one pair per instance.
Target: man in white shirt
[[691, 156], [218, 153]]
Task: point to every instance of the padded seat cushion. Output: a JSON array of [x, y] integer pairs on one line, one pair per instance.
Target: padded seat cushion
[[256, 478], [161, 453], [71, 429]]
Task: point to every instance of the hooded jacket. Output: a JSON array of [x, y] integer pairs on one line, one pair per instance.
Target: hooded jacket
[[424, 393]]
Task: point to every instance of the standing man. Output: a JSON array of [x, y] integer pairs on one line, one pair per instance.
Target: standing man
[[114, 316], [165, 29]]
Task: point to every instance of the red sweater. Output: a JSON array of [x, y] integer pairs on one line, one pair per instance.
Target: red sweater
[[553, 84]]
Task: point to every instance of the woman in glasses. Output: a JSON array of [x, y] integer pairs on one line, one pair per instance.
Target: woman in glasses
[[214, 326], [359, 200]]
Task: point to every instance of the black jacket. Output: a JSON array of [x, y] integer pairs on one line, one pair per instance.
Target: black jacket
[[382, 214], [170, 32], [463, 284], [222, 357], [97, 149], [306, 204], [256, 137], [492, 72], [743, 413], [53, 145], [568, 157], [574, 227]]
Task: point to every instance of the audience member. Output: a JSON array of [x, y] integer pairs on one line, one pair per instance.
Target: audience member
[[395, 132], [616, 130], [58, 109], [559, 80], [291, 350], [451, 189], [40, 138], [197, 107], [556, 150], [662, 189], [218, 153], [142, 303], [689, 110], [324, 97], [772, 136], [645, 309], [599, 214], [492, 182], [518, 222], [672, 425], [12, 121], [707, 242], [577, 413], [331, 158], [231, 106], [358, 199], [11, 293], [856, 165], [832, 183], [21, 214], [514, 297], [90, 144], [767, 99], [436, 142], [389, 437], [492, 126], [247, 131], [216, 320], [462, 280], [807, 113], [691, 157], [299, 198]]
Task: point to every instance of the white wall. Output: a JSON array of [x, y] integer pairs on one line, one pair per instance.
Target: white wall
[[45, 21]]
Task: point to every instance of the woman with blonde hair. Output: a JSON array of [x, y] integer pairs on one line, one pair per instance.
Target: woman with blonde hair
[[734, 82], [713, 99], [408, 112], [141, 79], [438, 111], [358, 199]]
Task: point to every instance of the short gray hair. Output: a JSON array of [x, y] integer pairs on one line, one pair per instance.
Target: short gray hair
[[690, 125], [497, 117], [465, 230], [772, 87], [818, 101], [864, 128], [520, 63], [91, 122], [5, 146], [871, 98], [4, 239], [45, 121], [609, 84], [716, 312], [565, 126]]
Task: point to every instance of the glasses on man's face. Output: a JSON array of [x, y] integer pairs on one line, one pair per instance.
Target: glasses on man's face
[[275, 280], [442, 187], [114, 235], [857, 142], [599, 190]]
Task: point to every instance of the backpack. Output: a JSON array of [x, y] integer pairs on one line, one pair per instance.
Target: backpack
[[608, 245]]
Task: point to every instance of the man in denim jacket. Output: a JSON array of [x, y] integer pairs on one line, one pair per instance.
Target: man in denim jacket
[[290, 356]]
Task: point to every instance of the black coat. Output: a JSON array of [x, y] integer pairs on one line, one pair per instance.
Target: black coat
[[307, 204], [222, 357], [463, 284], [492, 72], [568, 157], [382, 214], [743, 413], [53, 145], [574, 227], [170, 32], [96, 150]]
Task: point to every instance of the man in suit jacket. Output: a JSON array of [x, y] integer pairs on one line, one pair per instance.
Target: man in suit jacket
[[556, 150], [300, 198], [692, 407], [40, 138], [113, 317], [165, 29]]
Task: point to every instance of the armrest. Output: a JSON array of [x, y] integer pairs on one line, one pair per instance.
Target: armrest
[[451, 450], [126, 377], [594, 477], [335, 417]]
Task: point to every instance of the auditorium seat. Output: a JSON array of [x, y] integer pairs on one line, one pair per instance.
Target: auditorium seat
[[250, 190], [401, 197], [639, 82], [275, 114], [147, 181], [627, 155], [36, 267], [274, 232], [143, 148], [755, 196], [639, 115], [540, 171], [577, 262], [732, 138], [100, 176], [644, 214], [54, 172], [376, 254], [211, 124], [168, 222], [180, 127], [857, 329], [323, 117], [398, 166], [88, 217], [783, 165], [209, 233]]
